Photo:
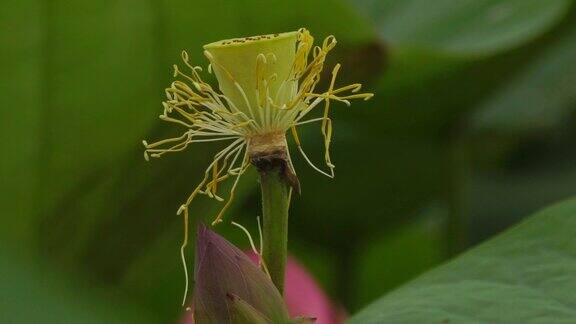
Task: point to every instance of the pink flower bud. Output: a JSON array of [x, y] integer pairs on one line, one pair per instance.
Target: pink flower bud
[[229, 286]]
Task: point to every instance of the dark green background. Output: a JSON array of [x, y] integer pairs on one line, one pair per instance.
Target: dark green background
[[470, 129]]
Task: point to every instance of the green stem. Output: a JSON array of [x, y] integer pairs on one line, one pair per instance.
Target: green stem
[[275, 204]]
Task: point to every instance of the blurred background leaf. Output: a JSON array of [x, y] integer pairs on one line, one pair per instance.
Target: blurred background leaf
[[399, 255], [467, 28], [517, 108], [20, 117], [474, 102], [28, 295]]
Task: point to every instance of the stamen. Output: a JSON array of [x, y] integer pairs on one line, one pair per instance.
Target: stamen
[[183, 257], [297, 140], [239, 87], [245, 166], [210, 116], [260, 236], [249, 237], [261, 262]]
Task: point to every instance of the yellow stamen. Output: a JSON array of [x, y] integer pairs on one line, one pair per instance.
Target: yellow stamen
[[267, 87]]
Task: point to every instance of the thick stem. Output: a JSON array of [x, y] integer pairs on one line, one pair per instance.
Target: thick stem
[[275, 204]]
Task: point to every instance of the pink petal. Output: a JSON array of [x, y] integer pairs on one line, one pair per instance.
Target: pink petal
[[304, 297]]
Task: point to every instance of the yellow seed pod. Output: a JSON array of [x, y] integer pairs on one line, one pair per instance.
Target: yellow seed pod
[[242, 65]]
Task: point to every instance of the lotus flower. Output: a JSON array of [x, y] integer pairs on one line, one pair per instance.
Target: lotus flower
[[268, 90]]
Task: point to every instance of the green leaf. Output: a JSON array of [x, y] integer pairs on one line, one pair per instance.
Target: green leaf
[[469, 28], [33, 293], [102, 89], [20, 90], [398, 255], [524, 275], [540, 97]]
